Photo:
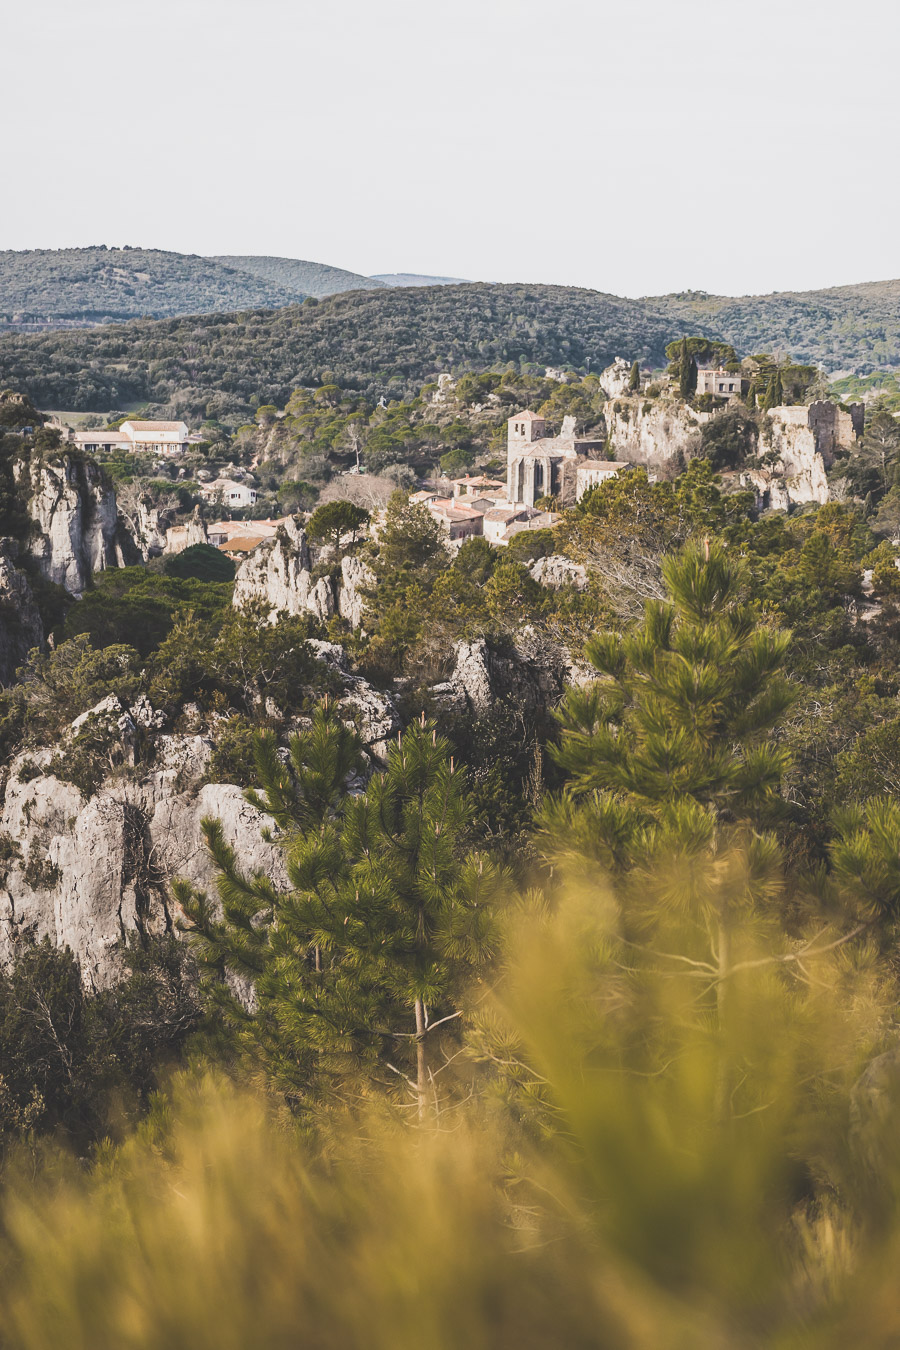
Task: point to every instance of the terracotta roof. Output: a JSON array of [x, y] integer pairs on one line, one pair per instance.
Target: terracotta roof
[[243, 543], [481, 481], [504, 512], [456, 512], [264, 528], [526, 416]]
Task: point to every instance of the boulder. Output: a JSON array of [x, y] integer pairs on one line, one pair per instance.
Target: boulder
[[556, 571]]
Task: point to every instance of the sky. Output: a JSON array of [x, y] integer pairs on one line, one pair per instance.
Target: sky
[[637, 148]]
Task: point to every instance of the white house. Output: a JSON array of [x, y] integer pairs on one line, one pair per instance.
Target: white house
[[721, 383], [91, 442], [161, 438], [590, 473], [158, 438], [230, 494]]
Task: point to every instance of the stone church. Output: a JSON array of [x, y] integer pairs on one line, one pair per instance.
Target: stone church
[[538, 465]]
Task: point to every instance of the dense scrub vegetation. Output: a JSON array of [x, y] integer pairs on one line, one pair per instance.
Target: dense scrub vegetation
[[105, 284], [843, 329], [387, 341]]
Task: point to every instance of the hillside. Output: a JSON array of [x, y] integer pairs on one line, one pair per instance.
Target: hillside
[[301, 278], [389, 341], [91, 285], [415, 279], [845, 329]]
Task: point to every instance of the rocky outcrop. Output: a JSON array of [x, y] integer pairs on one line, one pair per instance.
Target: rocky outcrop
[[533, 672], [78, 530], [20, 622], [372, 711], [277, 574], [180, 537], [653, 431], [556, 571], [93, 874], [148, 529], [614, 379], [356, 579], [797, 447]]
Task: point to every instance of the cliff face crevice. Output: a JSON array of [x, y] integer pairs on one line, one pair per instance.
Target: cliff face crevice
[[20, 623]]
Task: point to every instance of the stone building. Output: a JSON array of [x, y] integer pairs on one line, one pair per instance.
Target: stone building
[[720, 383], [590, 473], [539, 465]]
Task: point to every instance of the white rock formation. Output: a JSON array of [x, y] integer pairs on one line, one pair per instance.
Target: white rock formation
[[614, 379], [180, 537], [355, 578], [557, 571], [652, 431], [79, 531], [372, 711], [92, 872], [278, 574]]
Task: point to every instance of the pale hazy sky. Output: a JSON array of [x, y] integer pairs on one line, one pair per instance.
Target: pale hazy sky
[[632, 147]]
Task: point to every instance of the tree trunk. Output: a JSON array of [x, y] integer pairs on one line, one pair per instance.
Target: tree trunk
[[421, 1060]]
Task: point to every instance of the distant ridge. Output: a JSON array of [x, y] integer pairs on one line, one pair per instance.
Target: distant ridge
[[300, 277], [415, 279], [60, 287], [846, 329]]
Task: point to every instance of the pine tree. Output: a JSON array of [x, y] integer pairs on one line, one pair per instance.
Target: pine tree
[[358, 971], [634, 379], [670, 755]]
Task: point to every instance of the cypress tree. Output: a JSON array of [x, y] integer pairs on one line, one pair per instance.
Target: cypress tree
[[687, 372], [634, 379], [358, 970]]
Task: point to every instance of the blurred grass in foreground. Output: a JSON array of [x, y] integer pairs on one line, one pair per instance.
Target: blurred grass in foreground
[[654, 1214]]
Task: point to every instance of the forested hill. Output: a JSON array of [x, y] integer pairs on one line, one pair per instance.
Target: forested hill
[[90, 285], [385, 341], [83, 286], [846, 329]]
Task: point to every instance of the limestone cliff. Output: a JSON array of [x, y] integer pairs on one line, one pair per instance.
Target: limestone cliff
[[797, 446], [653, 431], [89, 874], [279, 574], [77, 527]]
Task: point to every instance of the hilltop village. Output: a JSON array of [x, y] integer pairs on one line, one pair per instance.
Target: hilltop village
[[782, 451]]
